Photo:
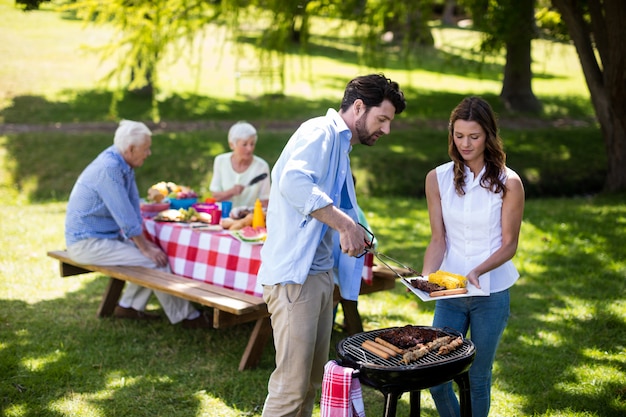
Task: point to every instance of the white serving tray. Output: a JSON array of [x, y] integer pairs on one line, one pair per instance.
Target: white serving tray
[[472, 291]]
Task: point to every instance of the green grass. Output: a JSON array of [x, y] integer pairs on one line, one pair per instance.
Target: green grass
[[563, 353]]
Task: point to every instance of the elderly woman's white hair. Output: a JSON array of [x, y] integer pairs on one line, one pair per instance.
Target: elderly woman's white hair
[[130, 133], [241, 131]]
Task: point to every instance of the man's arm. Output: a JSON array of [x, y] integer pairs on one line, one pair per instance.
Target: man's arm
[[351, 236]]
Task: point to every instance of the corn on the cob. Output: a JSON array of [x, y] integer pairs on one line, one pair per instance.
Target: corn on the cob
[[448, 279]]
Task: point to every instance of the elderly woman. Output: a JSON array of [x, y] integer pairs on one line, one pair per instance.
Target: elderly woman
[[233, 171]]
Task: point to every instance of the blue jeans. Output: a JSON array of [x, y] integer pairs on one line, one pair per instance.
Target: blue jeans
[[485, 318]]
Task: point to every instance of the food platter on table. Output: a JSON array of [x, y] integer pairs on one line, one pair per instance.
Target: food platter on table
[[182, 216]]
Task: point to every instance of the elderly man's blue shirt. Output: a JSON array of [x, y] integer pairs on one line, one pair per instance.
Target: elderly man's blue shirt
[[104, 202]]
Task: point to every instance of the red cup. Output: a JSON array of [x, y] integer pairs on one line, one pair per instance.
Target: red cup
[[216, 216]]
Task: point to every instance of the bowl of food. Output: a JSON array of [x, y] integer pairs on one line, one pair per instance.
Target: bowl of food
[[184, 203]]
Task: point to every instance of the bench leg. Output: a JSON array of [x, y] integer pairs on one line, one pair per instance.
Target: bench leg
[[111, 297], [258, 339]]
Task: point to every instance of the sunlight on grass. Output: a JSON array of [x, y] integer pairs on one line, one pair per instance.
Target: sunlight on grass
[[16, 410], [76, 405], [587, 380], [38, 364]]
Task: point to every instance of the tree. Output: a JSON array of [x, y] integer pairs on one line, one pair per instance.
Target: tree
[[145, 31], [597, 30], [509, 24]]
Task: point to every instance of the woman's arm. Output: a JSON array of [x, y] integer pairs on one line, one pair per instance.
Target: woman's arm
[[512, 213]]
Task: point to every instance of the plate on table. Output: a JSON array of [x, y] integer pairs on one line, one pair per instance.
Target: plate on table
[[472, 291]]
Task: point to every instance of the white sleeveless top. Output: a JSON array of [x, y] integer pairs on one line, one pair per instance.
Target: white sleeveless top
[[473, 224]]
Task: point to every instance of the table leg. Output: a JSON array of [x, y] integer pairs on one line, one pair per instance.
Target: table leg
[[111, 297], [463, 382], [258, 339]]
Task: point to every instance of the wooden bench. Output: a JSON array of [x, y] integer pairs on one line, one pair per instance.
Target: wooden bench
[[229, 307]]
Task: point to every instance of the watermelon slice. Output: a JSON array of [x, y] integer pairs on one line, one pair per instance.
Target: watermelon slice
[[252, 234]]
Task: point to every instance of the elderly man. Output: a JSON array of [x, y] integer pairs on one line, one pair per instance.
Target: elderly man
[[103, 225], [312, 203]]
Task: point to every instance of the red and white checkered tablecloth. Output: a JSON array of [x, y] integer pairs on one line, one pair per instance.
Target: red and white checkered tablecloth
[[215, 257]]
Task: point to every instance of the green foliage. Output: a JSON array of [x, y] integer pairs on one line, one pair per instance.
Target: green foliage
[[551, 25], [30, 4], [146, 31]]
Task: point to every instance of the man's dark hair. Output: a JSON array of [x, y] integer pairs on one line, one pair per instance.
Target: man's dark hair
[[373, 89]]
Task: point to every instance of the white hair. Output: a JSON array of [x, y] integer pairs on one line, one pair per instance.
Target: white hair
[[241, 131], [130, 133]]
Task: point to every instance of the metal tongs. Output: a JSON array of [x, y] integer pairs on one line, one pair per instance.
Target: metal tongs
[[369, 247]]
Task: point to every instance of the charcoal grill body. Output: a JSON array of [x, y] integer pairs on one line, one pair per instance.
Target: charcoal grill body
[[393, 378]]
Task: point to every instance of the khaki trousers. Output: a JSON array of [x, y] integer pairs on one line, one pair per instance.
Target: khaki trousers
[[302, 318], [118, 252]]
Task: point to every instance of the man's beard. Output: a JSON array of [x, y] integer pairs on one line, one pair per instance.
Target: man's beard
[[365, 137]]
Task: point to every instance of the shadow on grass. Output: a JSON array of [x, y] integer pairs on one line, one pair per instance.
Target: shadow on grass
[[55, 351]]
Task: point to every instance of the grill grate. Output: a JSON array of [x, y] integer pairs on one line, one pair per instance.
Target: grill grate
[[352, 347]]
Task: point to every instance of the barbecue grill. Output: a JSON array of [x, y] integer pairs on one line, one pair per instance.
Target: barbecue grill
[[392, 377]]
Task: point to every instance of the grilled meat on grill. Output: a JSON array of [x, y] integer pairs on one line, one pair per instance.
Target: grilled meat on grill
[[408, 336]]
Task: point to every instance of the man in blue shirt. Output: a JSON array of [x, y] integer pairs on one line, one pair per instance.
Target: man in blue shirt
[[103, 224], [312, 202]]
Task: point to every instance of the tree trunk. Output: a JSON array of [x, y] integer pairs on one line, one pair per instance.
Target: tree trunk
[[447, 17], [517, 93], [606, 79]]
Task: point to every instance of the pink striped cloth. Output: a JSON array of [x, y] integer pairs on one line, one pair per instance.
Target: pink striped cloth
[[341, 392]]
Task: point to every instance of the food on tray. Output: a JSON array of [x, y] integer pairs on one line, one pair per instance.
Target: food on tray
[[170, 215], [434, 290], [183, 215], [448, 279], [424, 285]]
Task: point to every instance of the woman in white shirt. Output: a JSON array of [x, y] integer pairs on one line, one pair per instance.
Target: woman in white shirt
[[233, 171], [476, 205]]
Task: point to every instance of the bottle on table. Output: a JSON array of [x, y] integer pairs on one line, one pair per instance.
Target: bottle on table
[[258, 217]]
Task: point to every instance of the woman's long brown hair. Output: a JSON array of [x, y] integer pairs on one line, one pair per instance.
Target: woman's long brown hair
[[476, 109]]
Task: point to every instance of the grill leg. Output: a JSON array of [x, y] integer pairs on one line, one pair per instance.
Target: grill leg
[[415, 403], [464, 394], [391, 403]]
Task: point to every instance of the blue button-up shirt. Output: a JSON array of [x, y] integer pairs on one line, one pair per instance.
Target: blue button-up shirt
[[310, 174], [104, 202]]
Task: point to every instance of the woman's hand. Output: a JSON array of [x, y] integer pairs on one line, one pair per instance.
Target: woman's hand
[[237, 189], [472, 277]]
